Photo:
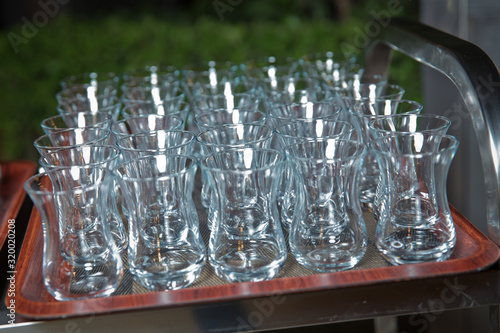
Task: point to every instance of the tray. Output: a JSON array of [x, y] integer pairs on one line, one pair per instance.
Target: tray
[[12, 194], [473, 252]]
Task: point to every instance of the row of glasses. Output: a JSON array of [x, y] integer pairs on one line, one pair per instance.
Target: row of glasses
[[289, 99], [143, 221], [156, 179], [242, 176], [76, 193], [315, 119], [318, 199], [239, 177], [83, 239], [414, 220]]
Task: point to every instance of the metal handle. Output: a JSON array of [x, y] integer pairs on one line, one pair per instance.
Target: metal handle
[[476, 78]]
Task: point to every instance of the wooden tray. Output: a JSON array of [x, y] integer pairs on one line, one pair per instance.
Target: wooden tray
[[473, 252], [12, 194]]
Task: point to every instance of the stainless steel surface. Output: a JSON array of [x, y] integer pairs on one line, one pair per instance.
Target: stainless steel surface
[[477, 80], [431, 296]]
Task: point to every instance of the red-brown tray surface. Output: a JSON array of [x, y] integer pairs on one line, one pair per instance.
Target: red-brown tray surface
[[12, 194], [473, 252]]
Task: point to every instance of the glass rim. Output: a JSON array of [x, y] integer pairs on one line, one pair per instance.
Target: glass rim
[[109, 76], [354, 109], [109, 118], [345, 92], [361, 150], [47, 173], [151, 133], [365, 84], [129, 104], [310, 120], [277, 163], [113, 157], [61, 98], [37, 141], [176, 98], [446, 122], [108, 108], [159, 69], [235, 145], [186, 169], [252, 93], [197, 117], [144, 116], [274, 97], [337, 111], [451, 146]]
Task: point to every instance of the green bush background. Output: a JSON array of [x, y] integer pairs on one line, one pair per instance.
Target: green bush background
[[122, 39]]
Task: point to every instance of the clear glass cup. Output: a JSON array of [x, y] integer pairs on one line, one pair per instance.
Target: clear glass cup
[[415, 223], [71, 137], [404, 123], [294, 132], [328, 232], [80, 258], [361, 114], [92, 156], [155, 143], [229, 137], [111, 106], [165, 247], [246, 242], [76, 120], [145, 123]]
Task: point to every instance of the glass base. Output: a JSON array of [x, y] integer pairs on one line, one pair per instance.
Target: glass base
[[250, 261], [231, 275], [416, 246], [160, 282], [329, 261]]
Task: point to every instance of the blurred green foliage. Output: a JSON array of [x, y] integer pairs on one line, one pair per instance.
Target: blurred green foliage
[[71, 43]]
